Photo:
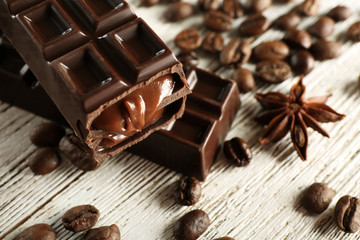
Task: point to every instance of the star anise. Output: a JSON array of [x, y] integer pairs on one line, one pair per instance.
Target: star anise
[[284, 113]]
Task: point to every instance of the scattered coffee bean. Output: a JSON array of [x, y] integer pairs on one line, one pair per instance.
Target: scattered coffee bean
[[238, 151], [47, 134], [189, 60], [254, 25], [302, 62], [149, 2], [179, 11], [297, 38], [257, 5], [188, 191], [245, 80], [78, 153], [191, 225], [213, 42], [188, 39], [274, 50], [273, 71], [236, 52], [208, 5], [80, 218], [287, 21], [224, 238], [40, 231], [103, 233], [340, 13], [358, 82], [353, 32], [322, 28], [317, 198], [218, 21], [233, 8], [347, 214], [44, 160], [309, 7], [323, 50]]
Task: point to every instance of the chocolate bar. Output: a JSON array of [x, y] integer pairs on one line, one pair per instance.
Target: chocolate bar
[[108, 73], [189, 145]]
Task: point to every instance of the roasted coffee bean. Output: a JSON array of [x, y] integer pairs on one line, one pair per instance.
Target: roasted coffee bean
[[208, 5], [236, 52], [317, 198], [302, 62], [273, 71], [149, 2], [213, 42], [188, 39], [103, 233], [358, 82], [233, 8], [322, 28], [347, 214], [238, 151], [188, 191], [44, 160], [274, 50], [340, 13], [179, 11], [254, 25], [189, 60], [353, 32], [218, 21], [323, 50], [224, 238], [309, 7], [245, 80], [78, 153], [287, 21], [191, 225], [40, 231], [46, 134], [297, 38], [257, 5], [80, 218]]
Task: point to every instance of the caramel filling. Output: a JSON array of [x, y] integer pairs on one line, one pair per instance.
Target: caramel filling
[[136, 111]]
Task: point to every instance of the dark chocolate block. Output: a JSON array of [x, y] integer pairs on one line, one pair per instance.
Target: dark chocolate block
[[99, 63]]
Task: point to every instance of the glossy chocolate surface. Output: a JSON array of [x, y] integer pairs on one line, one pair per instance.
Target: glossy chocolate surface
[[89, 55]]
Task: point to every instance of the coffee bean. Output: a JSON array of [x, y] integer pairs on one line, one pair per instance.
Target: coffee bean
[[257, 5], [297, 38], [273, 71], [287, 21], [189, 60], [233, 8], [179, 11], [347, 214], [213, 42], [245, 80], [238, 151], [149, 2], [236, 52], [309, 7], [188, 39], [218, 21], [44, 160], [80, 218], [254, 25], [224, 238], [274, 50], [340, 13], [191, 225], [358, 82], [302, 62], [353, 32], [208, 5], [103, 233], [46, 134], [323, 50], [322, 28], [78, 153], [317, 198], [40, 231], [188, 191]]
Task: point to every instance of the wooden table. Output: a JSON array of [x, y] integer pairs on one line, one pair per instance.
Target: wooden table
[[260, 201]]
